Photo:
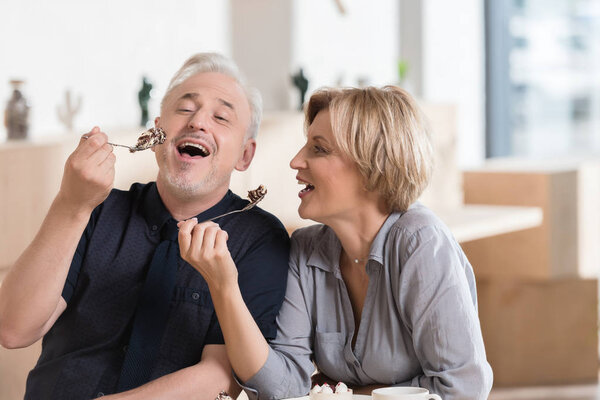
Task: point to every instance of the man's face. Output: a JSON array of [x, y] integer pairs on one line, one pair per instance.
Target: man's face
[[206, 119]]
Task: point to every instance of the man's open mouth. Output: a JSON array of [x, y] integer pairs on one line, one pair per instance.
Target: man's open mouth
[[192, 150]]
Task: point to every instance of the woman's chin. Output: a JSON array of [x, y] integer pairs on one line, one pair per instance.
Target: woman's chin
[[305, 214]]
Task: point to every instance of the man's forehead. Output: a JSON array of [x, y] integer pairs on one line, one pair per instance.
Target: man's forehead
[[203, 82]]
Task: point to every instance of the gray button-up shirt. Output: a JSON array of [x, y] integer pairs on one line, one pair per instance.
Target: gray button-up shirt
[[419, 323]]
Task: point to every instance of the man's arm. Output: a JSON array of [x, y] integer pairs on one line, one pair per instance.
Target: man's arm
[[202, 381], [30, 295]]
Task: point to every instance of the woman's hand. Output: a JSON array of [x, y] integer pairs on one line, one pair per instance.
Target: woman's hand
[[204, 246]]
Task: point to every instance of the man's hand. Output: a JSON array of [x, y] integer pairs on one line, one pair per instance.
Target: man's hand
[[89, 173], [204, 246]]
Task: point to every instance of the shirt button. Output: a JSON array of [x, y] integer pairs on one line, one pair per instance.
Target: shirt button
[[195, 295], [100, 394], [356, 363], [125, 349], [154, 227]]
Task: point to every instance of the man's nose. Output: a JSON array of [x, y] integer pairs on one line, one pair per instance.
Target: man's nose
[[197, 121]]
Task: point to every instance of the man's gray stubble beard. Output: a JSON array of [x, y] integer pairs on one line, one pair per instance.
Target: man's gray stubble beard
[[183, 185]]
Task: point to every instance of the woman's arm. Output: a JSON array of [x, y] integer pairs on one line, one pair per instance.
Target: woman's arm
[[204, 246], [268, 373]]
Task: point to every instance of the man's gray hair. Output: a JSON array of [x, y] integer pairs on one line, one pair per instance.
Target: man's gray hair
[[214, 62]]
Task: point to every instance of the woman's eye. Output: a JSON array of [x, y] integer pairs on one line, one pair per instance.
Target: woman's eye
[[184, 110], [319, 149], [220, 118]]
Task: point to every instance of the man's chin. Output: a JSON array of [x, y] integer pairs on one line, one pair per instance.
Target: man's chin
[[181, 187]]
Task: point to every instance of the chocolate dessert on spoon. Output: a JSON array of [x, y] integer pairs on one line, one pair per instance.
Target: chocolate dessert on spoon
[[146, 140]]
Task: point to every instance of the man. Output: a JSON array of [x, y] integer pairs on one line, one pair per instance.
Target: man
[[120, 312]]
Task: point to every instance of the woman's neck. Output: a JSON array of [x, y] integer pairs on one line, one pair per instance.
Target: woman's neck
[[357, 232]]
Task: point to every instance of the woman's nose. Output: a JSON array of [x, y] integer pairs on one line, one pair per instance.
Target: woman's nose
[[298, 161]]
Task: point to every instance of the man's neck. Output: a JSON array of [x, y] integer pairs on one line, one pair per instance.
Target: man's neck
[[183, 207]]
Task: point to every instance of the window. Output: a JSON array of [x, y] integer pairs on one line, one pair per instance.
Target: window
[[543, 78]]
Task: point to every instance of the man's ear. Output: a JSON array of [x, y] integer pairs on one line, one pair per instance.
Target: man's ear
[[156, 122], [247, 155]]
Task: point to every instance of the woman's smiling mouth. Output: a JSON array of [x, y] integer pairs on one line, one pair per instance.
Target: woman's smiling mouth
[[308, 188]]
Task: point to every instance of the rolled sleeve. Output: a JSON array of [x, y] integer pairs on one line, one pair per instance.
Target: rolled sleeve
[[263, 379]]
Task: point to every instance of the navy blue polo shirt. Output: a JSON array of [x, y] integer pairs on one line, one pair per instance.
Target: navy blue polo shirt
[[83, 353]]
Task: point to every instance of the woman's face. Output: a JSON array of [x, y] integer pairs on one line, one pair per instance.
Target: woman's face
[[334, 188]]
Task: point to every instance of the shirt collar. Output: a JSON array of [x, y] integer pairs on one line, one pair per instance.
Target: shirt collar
[[156, 214], [378, 245], [326, 254]]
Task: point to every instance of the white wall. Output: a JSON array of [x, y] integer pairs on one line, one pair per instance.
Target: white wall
[[272, 39], [362, 43], [101, 49], [262, 47], [454, 69]]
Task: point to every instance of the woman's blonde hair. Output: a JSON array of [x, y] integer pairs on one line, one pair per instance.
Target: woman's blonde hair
[[385, 133]]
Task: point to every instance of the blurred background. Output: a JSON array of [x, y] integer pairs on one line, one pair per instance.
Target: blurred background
[[511, 89]]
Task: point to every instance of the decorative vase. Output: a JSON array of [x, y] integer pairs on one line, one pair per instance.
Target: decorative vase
[[16, 114]]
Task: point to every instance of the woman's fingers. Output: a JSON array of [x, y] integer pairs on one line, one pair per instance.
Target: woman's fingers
[[198, 242], [208, 244], [221, 241], [185, 236]]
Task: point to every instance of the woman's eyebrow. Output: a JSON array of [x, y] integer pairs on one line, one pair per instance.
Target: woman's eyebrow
[[318, 138]]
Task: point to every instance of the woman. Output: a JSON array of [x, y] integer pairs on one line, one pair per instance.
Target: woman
[[380, 294]]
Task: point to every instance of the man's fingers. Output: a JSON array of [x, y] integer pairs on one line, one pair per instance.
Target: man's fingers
[[90, 133], [95, 140], [97, 157], [109, 162]]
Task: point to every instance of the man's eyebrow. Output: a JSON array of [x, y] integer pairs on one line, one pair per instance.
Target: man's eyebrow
[[190, 96], [227, 104], [193, 96]]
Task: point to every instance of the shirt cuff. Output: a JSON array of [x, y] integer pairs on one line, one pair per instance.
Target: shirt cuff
[[261, 384]]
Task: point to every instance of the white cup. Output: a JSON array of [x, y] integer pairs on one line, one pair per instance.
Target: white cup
[[403, 393]]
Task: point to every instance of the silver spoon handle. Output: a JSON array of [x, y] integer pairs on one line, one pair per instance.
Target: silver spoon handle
[[114, 144], [248, 206]]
